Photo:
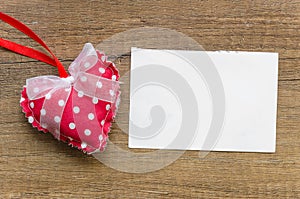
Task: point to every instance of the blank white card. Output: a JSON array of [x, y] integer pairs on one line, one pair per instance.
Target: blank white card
[[201, 100]]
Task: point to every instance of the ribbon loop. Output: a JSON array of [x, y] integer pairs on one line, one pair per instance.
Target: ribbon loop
[[38, 87], [30, 52], [86, 59], [96, 87]]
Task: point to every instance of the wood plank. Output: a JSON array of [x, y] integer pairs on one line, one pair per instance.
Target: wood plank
[[35, 165]]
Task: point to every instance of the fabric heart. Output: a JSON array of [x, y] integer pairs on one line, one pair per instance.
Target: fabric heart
[[78, 109]]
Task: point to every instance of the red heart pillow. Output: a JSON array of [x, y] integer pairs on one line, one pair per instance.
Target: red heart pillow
[[78, 109]]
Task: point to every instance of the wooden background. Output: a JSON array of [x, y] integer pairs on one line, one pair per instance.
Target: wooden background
[[34, 165]]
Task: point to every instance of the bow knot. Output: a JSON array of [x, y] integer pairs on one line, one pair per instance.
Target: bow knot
[[69, 79], [90, 85]]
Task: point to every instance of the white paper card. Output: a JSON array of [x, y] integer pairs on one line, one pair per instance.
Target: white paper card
[[201, 100]]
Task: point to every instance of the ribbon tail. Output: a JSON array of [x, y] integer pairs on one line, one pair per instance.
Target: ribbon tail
[[53, 109]]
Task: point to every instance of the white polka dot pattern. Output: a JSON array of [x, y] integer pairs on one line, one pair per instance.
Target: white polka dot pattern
[[83, 78], [101, 70], [103, 58], [87, 132], [30, 119], [61, 102], [111, 92], [99, 85], [87, 64], [95, 100], [83, 145], [80, 94], [102, 122], [48, 96], [100, 137], [72, 125], [76, 109], [91, 116], [44, 125], [57, 119], [43, 112]]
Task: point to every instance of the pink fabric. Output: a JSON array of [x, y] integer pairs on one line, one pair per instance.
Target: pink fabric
[[71, 115]]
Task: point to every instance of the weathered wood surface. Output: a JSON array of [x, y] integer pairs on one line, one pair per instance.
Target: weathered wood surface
[[34, 165]]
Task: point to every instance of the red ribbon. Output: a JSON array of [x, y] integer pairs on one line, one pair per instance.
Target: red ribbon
[[27, 51]]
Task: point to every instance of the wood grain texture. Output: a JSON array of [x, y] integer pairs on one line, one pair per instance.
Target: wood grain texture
[[35, 165]]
